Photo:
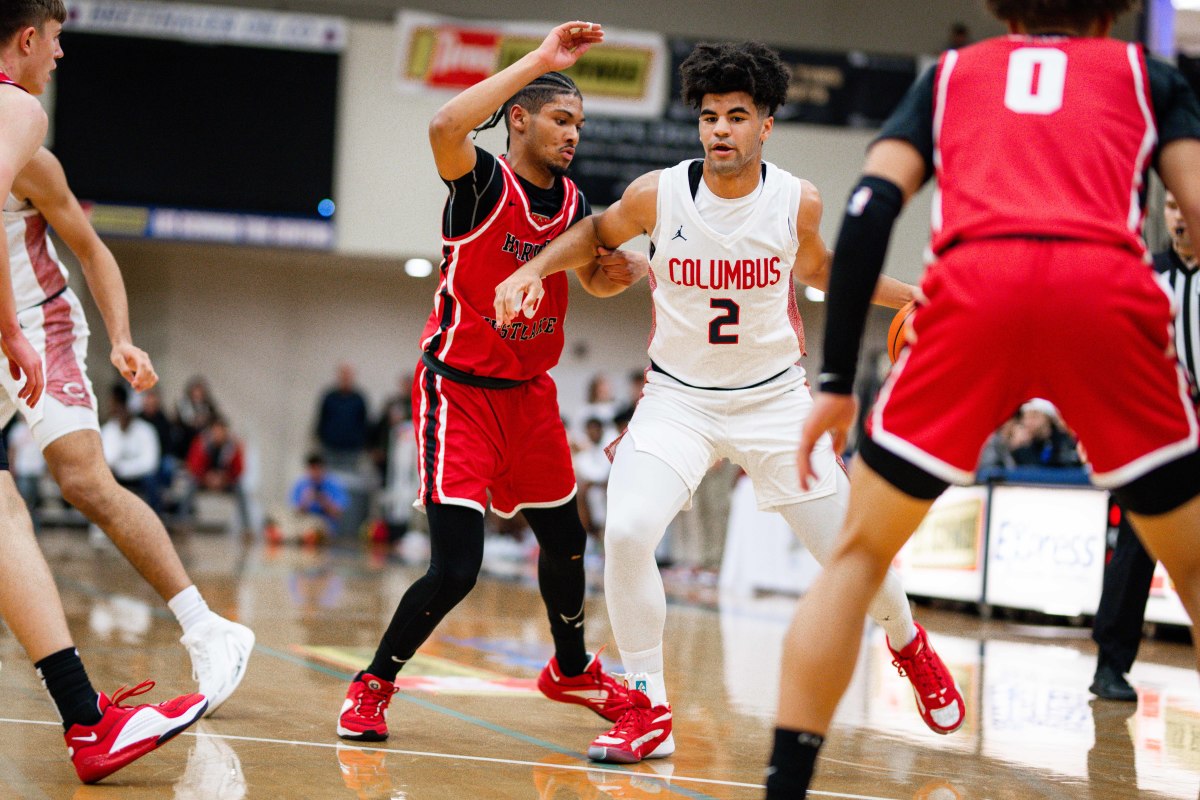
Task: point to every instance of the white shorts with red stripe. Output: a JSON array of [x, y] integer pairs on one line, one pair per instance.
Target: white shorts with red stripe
[[58, 331]]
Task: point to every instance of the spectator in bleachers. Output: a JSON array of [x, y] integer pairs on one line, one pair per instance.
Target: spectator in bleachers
[[997, 452], [130, 445], [215, 463], [153, 413], [591, 476], [1041, 440], [316, 503], [600, 405], [637, 384], [396, 411], [194, 411], [342, 423]]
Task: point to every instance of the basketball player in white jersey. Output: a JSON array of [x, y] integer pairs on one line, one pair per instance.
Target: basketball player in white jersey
[[728, 234], [64, 420]]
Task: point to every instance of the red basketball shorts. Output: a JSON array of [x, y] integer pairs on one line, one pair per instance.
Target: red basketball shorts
[[473, 443], [1085, 326]]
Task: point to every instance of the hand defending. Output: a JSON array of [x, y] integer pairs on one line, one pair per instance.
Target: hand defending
[[834, 413], [622, 267]]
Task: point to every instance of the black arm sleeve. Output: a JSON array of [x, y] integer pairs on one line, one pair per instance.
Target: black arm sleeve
[[582, 211], [912, 121], [473, 196], [857, 263], [1176, 110]]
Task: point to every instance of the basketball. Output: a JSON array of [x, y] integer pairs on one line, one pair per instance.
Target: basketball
[[898, 330]]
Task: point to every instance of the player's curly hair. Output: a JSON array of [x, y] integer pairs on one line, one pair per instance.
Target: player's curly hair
[[1049, 13], [16, 15], [749, 67], [532, 96]]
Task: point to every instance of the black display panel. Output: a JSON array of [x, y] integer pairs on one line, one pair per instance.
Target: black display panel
[[161, 122]]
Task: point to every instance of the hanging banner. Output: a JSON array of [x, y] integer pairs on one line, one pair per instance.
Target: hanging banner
[[625, 76], [856, 90], [198, 23]]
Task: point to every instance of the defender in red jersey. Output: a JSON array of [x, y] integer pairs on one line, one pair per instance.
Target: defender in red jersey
[[486, 413], [1040, 142], [101, 736]]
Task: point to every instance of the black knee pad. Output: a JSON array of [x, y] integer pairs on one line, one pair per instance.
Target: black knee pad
[[1163, 489], [902, 474]]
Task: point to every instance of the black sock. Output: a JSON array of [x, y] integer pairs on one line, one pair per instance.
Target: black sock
[[66, 680], [792, 763], [562, 581]]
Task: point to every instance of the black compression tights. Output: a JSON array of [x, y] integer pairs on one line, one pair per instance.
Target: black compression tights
[[456, 553]]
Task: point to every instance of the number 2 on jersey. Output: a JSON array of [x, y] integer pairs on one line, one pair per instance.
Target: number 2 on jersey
[[1036, 79], [731, 317]]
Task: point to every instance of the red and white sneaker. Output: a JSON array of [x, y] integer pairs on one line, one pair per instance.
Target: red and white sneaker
[[938, 699], [364, 711], [126, 733], [643, 731], [593, 688]]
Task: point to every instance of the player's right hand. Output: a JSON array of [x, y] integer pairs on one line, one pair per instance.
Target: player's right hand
[[832, 413], [23, 359], [568, 42], [520, 292]]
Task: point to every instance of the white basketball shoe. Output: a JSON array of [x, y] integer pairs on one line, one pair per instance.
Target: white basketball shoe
[[220, 650]]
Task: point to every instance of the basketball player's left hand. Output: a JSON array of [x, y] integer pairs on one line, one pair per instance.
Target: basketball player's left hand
[[622, 267], [834, 413], [134, 365], [23, 359], [520, 292]]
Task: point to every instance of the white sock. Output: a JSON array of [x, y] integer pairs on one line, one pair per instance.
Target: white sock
[[652, 684], [900, 633], [190, 609]]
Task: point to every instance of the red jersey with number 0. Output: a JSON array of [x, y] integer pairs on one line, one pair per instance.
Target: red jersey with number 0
[[1042, 137], [462, 330]]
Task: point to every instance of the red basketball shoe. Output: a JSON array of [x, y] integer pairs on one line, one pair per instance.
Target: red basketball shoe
[[593, 688], [938, 699], [363, 713], [126, 733], [643, 731]]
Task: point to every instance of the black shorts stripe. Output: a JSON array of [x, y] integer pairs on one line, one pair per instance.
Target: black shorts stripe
[[432, 408]]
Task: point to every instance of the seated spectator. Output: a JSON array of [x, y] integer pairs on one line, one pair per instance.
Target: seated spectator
[[130, 445], [1041, 440], [997, 452], [316, 503], [600, 405], [591, 475], [215, 463], [168, 432], [193, 413]]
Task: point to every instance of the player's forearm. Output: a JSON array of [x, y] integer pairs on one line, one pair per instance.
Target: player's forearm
[[892, 293], [573, 249], [108, 289], [472, 107], [596, 283]]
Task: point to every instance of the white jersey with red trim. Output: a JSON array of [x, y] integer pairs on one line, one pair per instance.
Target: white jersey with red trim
[[37, 271], [725, 313]]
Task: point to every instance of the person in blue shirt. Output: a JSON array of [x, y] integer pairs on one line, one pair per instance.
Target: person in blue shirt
[[320, 494]]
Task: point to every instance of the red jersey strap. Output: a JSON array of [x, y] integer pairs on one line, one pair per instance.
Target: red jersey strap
[[5, 79]]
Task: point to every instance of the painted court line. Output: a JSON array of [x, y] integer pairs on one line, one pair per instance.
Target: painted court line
[[483, 759]]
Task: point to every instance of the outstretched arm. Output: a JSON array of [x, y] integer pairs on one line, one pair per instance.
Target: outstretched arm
[[451, 127], [814, 260], [23, 125], [633, 215], [45, 184]]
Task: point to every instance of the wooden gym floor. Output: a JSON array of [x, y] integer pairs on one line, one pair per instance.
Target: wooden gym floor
[[469, 723]]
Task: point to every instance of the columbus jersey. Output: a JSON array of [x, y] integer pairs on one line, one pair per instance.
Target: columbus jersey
[[725, 312], [461, 330], [37, 272], [1044, 136]]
